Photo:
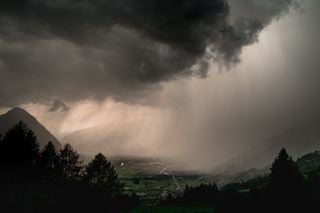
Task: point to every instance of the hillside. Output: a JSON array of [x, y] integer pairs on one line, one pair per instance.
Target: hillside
[[16, 115], [309, 162], [308, 165]]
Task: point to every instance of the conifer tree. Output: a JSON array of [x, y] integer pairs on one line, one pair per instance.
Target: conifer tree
[[69, 164], [285, 174], [20, 150], [100, 173], [49, 162]]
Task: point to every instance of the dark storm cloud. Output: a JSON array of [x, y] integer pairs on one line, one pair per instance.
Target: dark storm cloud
[[73, 49], [58, 105]]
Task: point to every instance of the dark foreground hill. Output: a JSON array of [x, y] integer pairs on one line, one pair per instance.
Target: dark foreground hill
[[15, 115]]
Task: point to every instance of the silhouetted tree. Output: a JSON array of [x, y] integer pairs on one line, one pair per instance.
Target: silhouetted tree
[[20, 151], [101, 174], [34, 181], [314, 187], [2, 150], [69, 164], [49, 162], [204, 193], [286, 184], [19, 155], [285, 174]]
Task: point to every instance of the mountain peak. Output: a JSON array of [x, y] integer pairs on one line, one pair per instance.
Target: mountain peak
[[17, 114], [17, 110]]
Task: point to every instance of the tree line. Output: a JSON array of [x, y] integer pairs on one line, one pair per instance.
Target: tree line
[[286, 189], [50, 180]]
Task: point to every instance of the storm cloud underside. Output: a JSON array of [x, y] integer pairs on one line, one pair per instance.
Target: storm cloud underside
[[74, 50]]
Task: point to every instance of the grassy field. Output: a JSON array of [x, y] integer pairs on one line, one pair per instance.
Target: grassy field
[[152, 188], [153, 179]]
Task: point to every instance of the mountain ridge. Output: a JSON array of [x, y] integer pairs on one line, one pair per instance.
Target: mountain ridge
[[17, 114]]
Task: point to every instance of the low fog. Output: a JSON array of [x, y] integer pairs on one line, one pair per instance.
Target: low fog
[[236, 107]]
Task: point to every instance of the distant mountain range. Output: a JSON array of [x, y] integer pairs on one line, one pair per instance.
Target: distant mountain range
[[15, 115]]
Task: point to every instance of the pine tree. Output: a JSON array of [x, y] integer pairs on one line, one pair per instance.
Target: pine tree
[[69, 164], [287, 189], [49, 162], [2, 148], [285, 174], [101, 174], [20, 150]]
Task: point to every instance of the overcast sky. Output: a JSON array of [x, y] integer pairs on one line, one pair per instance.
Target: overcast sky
[[206, 81]]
